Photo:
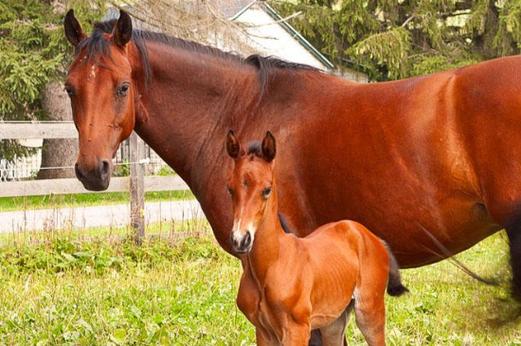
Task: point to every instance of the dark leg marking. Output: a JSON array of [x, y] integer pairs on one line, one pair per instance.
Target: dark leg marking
[[514, 237]]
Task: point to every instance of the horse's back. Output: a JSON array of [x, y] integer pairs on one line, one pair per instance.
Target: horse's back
[[346, 239]]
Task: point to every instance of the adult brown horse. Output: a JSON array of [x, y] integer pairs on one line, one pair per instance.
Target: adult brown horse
[[438, 153]]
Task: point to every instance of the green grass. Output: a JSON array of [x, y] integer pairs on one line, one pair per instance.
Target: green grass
[[65, 291], [84, 199]]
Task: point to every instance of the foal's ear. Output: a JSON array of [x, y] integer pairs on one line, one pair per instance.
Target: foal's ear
[[123, 30], [233, 147], [268, 147], [73, 30]]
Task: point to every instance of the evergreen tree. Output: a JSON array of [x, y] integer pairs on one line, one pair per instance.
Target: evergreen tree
[[391, 39], [33, 51]]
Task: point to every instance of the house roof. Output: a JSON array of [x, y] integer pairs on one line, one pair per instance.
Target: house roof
[[297, 36], [233, 5], [230, 8]]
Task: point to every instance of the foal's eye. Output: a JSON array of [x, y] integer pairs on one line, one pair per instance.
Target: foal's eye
[[266, 192], [123, 89], [69, 90], [230, 191]]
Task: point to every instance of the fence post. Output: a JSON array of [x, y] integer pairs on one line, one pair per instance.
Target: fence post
[[137, 187]]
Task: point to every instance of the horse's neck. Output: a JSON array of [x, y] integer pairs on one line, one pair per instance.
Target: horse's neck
[[269, 242], [192, 102]]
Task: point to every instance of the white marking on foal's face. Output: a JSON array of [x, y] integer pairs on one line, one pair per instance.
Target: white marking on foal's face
[[239, 233]]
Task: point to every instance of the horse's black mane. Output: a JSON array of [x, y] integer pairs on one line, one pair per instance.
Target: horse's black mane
[[96, 44]]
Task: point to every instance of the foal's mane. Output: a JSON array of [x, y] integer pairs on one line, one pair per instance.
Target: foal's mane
[[96, 45]]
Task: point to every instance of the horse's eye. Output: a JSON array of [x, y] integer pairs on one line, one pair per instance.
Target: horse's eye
[[69, 90], [230, 191], [123, 90], [266, 192]]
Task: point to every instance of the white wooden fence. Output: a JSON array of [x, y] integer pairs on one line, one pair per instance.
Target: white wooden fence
[[137, 183]]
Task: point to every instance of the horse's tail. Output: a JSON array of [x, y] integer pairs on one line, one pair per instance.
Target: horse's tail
[[394, 284]]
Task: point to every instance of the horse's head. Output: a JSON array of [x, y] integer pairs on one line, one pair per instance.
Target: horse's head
[[103, 92], [250, 187]]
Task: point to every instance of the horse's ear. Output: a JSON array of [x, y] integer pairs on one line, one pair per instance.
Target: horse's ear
[[268, 147], [233, 147], [73, 30], [123, 30]]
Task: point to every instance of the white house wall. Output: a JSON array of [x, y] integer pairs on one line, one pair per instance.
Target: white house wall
[[269, 38]]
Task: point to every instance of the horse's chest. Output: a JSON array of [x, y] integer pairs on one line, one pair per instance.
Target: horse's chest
[[267, 319]]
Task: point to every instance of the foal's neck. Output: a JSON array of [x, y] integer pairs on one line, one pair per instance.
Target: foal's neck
[[269, 240]]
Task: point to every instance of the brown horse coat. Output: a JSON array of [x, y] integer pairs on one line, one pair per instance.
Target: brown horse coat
[[437, 153]]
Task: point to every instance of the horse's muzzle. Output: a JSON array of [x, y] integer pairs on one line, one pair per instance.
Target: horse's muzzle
[[96, 179], [241, 243]]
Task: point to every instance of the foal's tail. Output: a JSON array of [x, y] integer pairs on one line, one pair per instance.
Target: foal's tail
[[394, 284]]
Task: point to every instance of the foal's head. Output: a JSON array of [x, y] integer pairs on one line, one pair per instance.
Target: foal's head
[[104, 97], [250, 184]]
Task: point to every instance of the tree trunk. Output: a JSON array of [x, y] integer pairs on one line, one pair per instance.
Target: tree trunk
[[485, 42], [57, 152]]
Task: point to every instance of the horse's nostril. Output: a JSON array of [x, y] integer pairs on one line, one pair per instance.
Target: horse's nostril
[[246, 240], [104, 168]]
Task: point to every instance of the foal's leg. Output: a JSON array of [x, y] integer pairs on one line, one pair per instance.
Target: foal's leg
[[333, 335], [262, 338], [514, 237], [296, 335], [370, 316]]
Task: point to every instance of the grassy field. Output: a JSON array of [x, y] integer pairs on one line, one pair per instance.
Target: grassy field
[[60, 290], [84, 199]]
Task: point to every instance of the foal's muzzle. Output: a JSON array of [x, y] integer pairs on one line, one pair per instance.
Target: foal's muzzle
[[241, 243]]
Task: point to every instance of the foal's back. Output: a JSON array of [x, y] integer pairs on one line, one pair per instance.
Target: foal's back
[[347, 261]]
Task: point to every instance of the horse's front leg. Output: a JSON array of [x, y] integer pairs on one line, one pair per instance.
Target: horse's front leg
[[514, 237], [263, 339], [296, 334]]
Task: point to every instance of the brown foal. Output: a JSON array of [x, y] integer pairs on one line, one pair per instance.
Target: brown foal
[[291, 285]]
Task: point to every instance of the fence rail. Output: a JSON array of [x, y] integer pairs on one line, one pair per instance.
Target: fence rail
[[37, 130], [136, 183]]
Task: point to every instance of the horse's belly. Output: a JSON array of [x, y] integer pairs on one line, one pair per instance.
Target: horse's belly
[[419, 231], [420, 236]]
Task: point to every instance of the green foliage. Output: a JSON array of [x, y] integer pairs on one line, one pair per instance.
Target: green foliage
[[122, 170], [391, 39], [166, 171], [33, 51]]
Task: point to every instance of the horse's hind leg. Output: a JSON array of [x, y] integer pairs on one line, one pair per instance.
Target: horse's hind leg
[[333, 335], [370, 316], [514, 237]]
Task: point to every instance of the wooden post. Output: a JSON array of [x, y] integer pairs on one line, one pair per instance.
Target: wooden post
[[137, 187]]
